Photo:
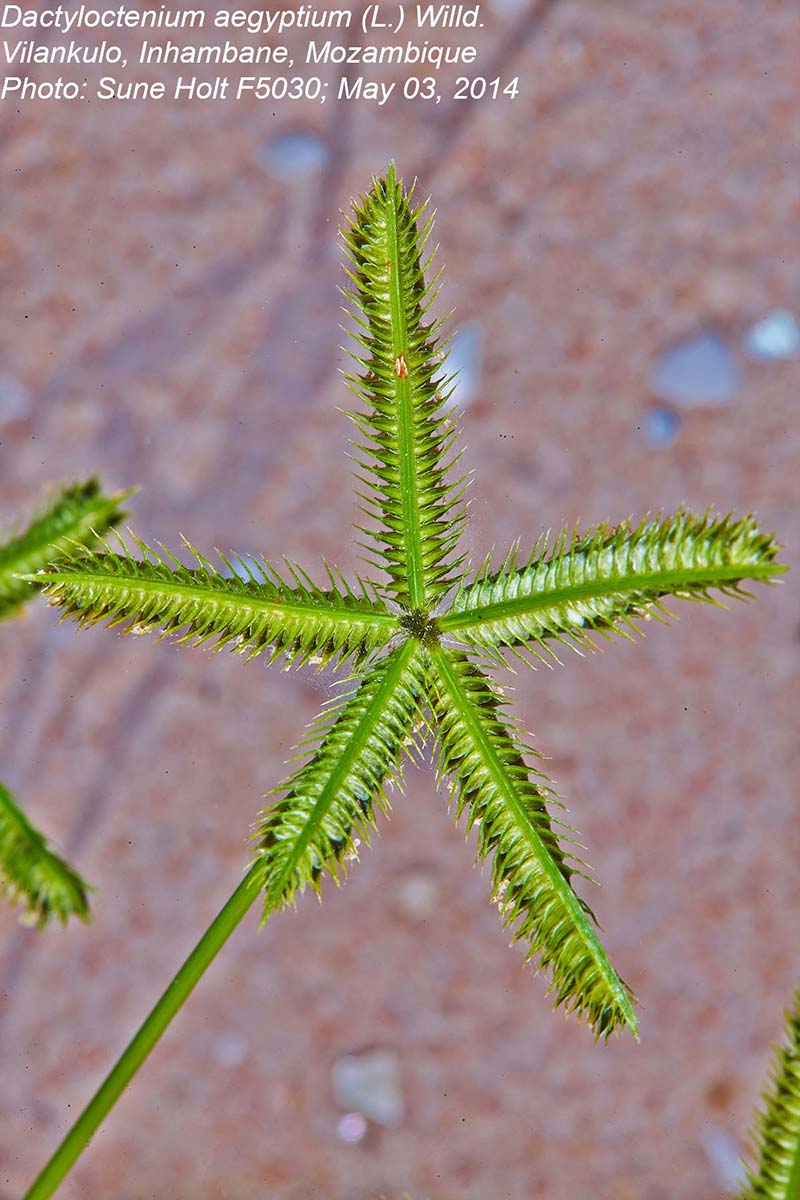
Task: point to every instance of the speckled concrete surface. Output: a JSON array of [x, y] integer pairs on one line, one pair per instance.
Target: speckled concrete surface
[[170, 318]]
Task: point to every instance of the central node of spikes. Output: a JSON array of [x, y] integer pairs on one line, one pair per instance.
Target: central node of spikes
[[420, 626]]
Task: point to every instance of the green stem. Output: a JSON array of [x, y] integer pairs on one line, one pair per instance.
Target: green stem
[[137, 1050]]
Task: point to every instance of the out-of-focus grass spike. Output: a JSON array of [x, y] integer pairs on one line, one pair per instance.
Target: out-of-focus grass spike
[[77, 513], [775, 1138], [31, 874], [76, 516]]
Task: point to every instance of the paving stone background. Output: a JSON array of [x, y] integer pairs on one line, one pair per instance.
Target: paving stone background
[[170, 318]]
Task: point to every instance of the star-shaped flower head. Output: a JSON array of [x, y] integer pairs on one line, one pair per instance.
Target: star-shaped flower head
[[418, 642]]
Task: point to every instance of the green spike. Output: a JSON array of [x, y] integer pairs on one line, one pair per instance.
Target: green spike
[[77, 515], [31, 874], [775, 1138]]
